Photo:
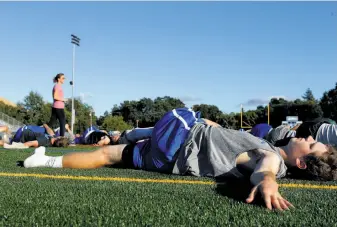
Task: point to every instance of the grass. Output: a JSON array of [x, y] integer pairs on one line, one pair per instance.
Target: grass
[[33, 201]]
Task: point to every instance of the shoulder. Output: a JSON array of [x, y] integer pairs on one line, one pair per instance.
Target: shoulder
[[57, 86], [275, 158]]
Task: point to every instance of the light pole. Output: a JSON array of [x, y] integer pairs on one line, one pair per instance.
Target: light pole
[[76, 42], [90, 114]]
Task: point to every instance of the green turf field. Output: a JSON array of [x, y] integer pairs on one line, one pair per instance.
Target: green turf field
[[32, 200]]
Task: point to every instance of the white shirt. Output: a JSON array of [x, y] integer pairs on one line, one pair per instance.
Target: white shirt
[[327, 134]]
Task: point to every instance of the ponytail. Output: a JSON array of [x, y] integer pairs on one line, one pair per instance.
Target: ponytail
[[58, 76]]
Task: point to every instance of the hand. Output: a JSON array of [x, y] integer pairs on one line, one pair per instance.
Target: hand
[[272, 198]]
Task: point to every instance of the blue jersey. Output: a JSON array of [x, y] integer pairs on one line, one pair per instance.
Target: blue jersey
[[33, 128], [261, 130], [159, 152]]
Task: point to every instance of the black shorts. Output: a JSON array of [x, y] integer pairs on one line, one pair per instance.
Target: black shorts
[[127, 157]]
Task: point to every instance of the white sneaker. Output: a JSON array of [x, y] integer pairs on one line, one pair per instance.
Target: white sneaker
[[15, 145], [7, 146], [38, 159]]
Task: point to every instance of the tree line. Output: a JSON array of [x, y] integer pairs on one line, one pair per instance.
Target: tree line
[[146, 112]]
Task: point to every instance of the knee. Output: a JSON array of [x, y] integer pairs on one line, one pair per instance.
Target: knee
[[112, 154], [105, 154]]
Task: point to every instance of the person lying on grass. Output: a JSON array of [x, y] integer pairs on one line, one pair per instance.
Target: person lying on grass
[[130, 136], [321, 129], [261, 130], [68, 134], [97, 137], [183, 144], [93, 136], [35, 136]]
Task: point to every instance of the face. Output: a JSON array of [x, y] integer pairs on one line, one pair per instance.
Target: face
[[61, 79], [300, 147]]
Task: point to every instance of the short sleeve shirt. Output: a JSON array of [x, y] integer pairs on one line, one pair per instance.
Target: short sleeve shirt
[[42, 139]]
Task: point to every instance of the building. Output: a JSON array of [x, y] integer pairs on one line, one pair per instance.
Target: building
[[292, 121]]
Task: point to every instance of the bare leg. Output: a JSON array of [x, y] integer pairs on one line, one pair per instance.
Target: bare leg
[[108, 155]]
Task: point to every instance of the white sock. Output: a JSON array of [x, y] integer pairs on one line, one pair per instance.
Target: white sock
[[39, 159]]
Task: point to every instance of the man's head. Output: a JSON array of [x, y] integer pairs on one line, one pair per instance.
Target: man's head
[[61, 142], [114, 135], [310, 159]]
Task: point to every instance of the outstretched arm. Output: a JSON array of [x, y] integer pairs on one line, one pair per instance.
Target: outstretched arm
[[264, 181], [49, 130], [295, 127], [211, 123], [105, 140]]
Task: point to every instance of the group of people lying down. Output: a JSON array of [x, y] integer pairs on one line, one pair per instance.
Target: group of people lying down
[[323, 130], [183, 143], [36, 136]]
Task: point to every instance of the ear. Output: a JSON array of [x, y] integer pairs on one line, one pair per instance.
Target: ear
[[300, 163]]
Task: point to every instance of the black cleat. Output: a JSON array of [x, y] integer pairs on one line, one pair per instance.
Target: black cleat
[[19, 163]]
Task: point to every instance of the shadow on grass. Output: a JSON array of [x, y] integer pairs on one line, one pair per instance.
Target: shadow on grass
[[237, 189]]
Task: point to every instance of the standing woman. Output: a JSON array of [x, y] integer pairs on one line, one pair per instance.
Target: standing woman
[[58, 105]]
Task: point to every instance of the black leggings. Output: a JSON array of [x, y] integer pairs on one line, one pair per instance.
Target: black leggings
[[58, 114]]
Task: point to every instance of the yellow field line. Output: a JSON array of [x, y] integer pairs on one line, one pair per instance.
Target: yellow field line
[[140, 180], [310, 186], [95, 178]]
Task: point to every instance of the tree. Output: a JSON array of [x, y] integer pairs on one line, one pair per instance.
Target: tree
[[146, 111], [328, 103], [229, 121], [82, 115], [100, 119], [34, 110], [308, 96], [33, 101], [115, 123], [210, 112]]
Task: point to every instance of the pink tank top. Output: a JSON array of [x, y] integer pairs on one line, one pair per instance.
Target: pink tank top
[[58, 104]]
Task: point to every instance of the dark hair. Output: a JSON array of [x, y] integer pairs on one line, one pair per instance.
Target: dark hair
[[323, 168], [61, 142], [57, 77]]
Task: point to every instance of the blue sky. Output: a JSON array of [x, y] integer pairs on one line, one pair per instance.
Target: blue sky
[[218, 53]]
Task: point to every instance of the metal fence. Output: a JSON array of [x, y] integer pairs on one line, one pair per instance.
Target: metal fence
[[12, 123]]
